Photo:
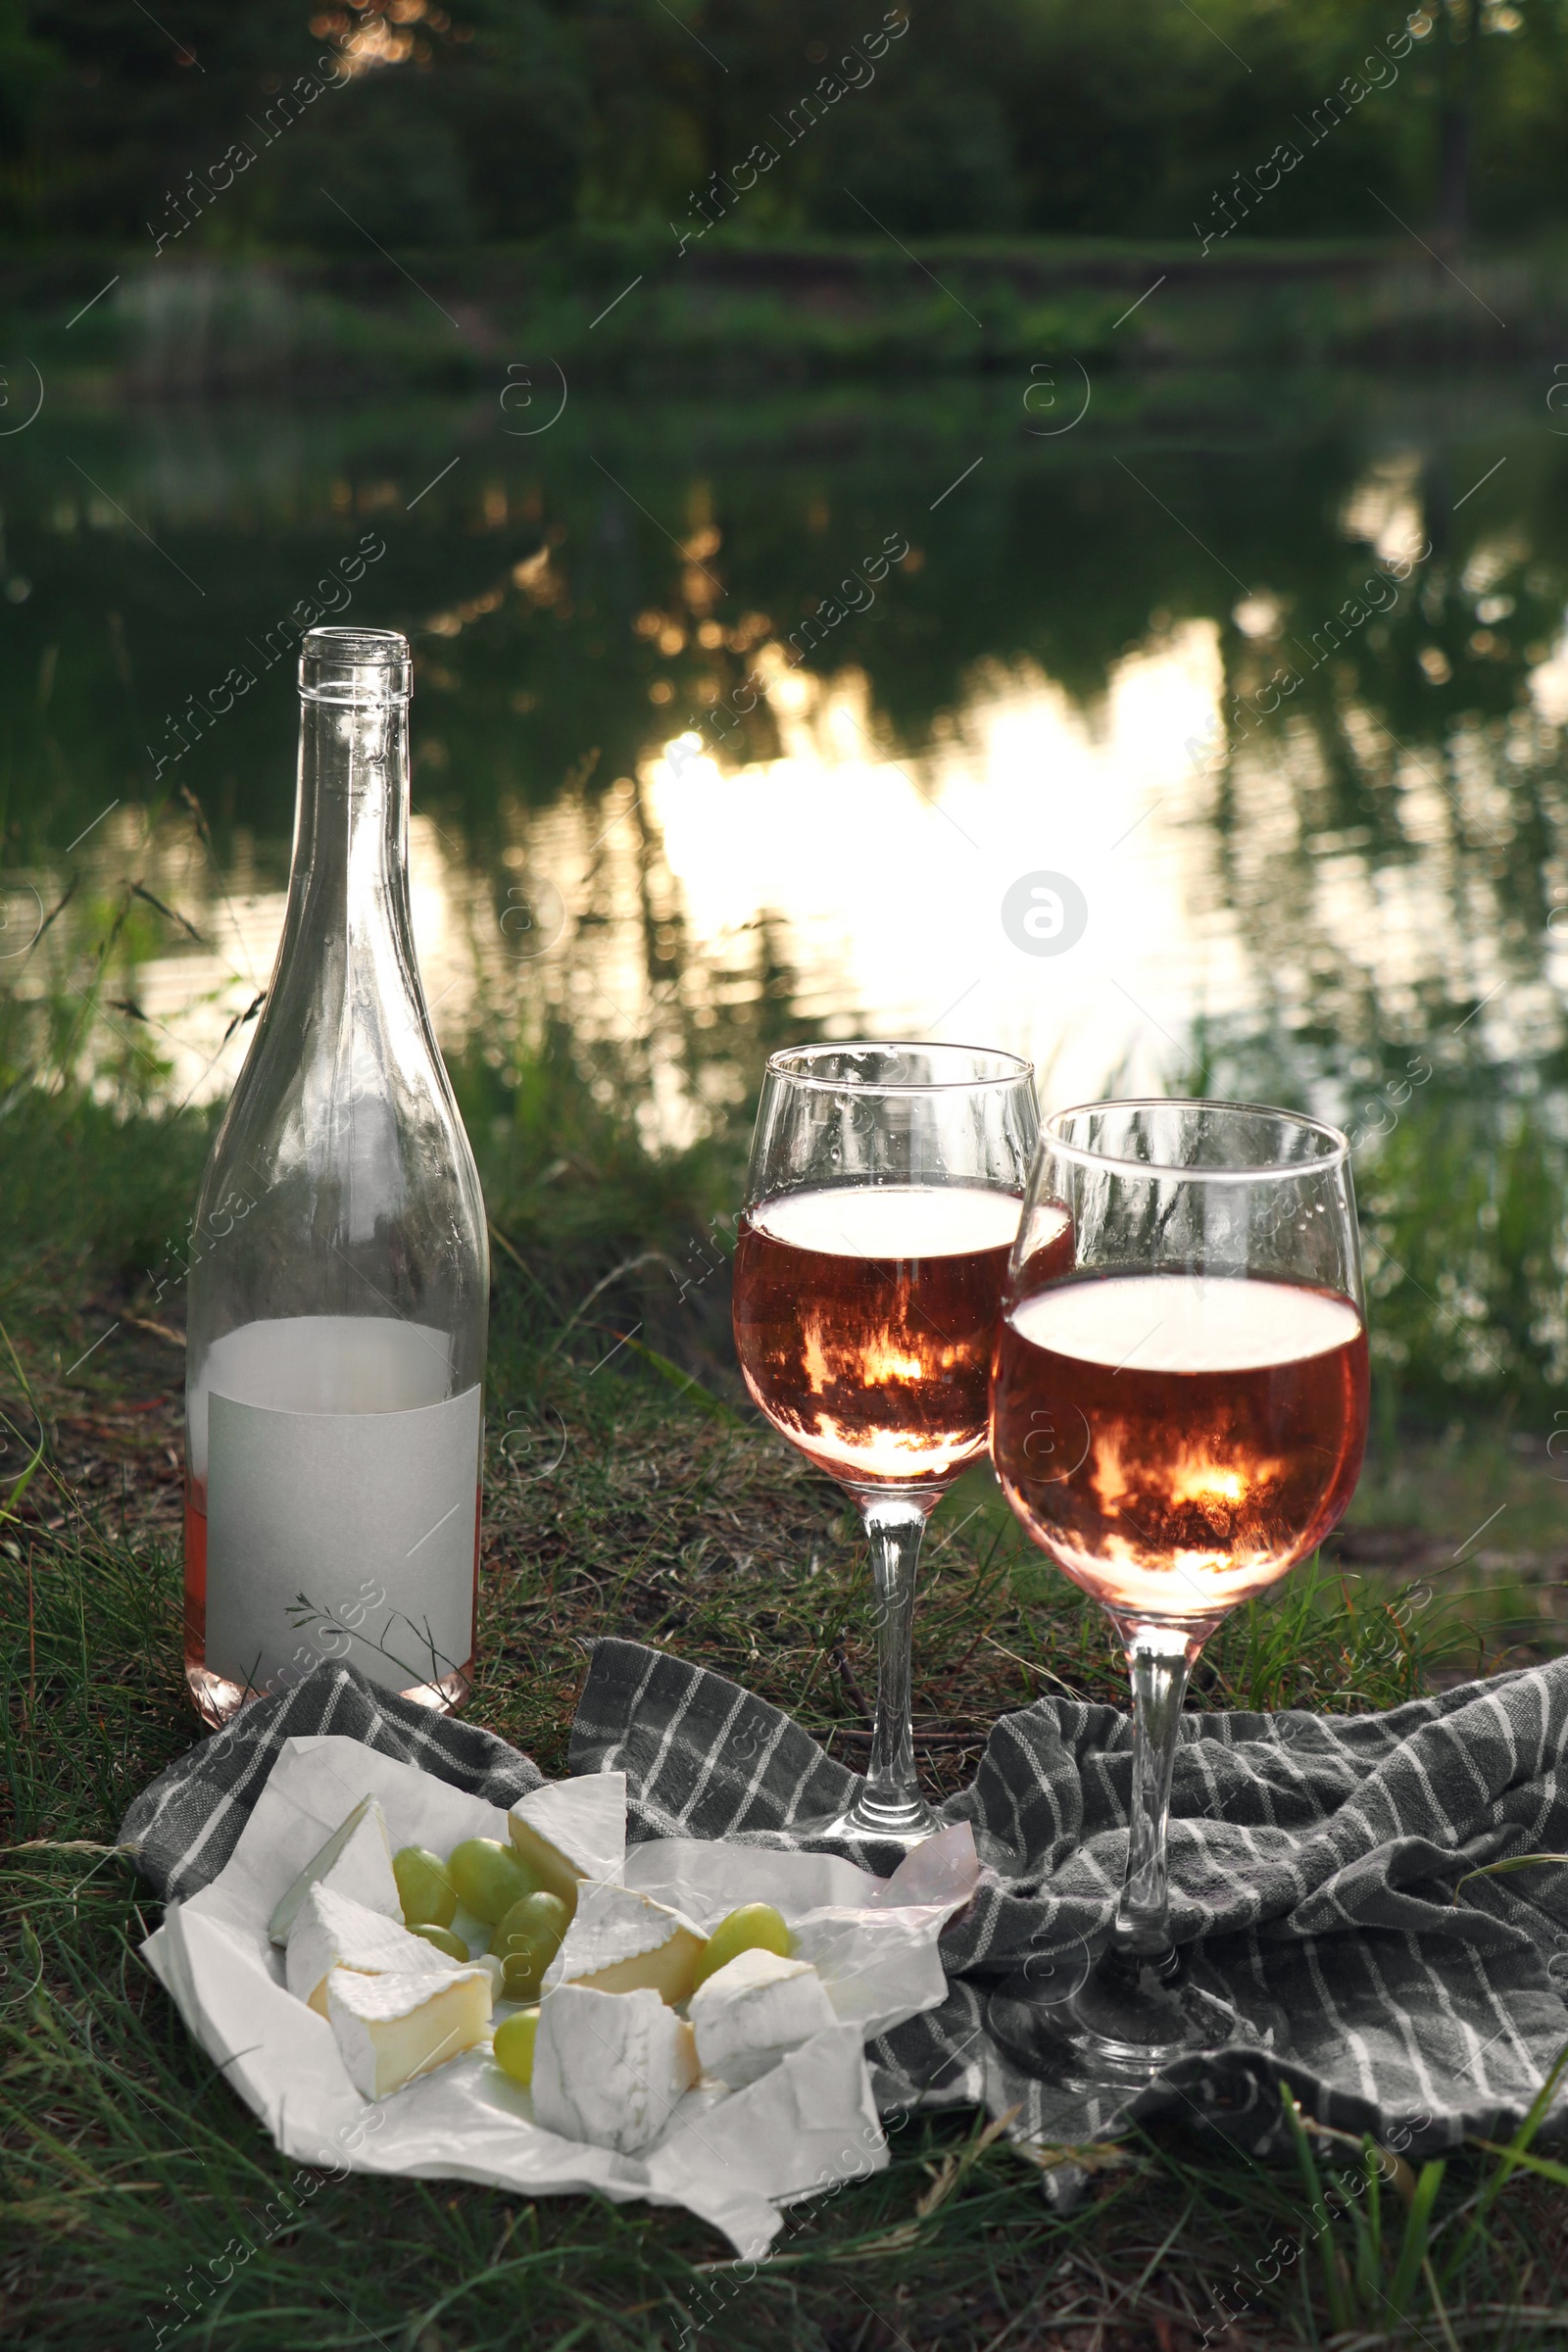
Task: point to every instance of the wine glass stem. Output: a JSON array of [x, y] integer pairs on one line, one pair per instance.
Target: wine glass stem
[[894, 1529], [1161, 1660]]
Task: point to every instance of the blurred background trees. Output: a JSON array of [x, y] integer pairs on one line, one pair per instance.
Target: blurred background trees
[[488, 121]]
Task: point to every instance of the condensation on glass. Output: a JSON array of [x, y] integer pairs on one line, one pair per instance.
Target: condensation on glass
[[339, 1282]]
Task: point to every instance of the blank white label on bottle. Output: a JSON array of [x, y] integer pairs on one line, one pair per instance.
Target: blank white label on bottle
[[341, 1535], [319, 1365]]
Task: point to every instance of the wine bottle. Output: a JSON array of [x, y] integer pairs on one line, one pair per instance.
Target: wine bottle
[[339, 1284]]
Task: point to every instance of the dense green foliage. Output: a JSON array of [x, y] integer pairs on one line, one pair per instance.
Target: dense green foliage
[[499, 119]]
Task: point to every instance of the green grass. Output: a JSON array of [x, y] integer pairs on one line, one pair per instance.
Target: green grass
[[136, 2195]]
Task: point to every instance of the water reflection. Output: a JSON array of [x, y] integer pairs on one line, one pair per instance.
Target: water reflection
[[877, 879], [1222, 888], [1288, 720]]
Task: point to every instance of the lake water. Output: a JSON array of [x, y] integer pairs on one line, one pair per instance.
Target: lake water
[[1214, 739]]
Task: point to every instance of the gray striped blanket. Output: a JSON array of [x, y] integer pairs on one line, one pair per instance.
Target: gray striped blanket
[[1320, 1861]]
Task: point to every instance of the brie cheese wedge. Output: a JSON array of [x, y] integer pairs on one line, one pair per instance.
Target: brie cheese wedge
[[621, 1942], [356, 1860], [610, 2068], [585, 1820], [390, 2029], [331, 1931], [754, 2011]]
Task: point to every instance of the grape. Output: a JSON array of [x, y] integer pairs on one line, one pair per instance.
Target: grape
[[755, 1926], [526, 1941], [514, 2045], [549, 1865], [426, 1893], [444, 1940], [489, 1876]]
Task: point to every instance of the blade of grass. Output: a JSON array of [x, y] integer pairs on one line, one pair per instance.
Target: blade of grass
[[1339, 2301], [1417, 2228], [1498, 1870], [687, 1385]]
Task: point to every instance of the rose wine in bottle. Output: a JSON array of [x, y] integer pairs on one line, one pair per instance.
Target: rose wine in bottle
[[865, 1319], [1177, 1442], [339, 1283]]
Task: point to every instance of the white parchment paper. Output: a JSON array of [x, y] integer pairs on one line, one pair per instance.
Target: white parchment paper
[[731, 2157]]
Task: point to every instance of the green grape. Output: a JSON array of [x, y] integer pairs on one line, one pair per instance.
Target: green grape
[[489, 1876], [444, 1940], [755, 1926], [426, 1893], [514, 2045], [526, 1941]]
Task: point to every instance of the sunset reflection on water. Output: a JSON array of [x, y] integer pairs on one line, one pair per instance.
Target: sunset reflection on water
[[1325, 876]]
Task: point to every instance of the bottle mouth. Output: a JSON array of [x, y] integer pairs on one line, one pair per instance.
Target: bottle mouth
[[356, 665]]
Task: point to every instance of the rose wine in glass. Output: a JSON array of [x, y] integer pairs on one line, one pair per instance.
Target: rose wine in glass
[[884, 1197], [1178, 1416], [1224, 1421], [870, 1313]]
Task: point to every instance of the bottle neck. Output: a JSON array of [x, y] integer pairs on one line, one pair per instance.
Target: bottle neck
[[350, 874], [347, 996]]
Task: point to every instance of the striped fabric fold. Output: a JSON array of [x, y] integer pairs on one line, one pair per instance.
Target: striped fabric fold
[[184, 1826], [1318, 1866], [1315, 1870]]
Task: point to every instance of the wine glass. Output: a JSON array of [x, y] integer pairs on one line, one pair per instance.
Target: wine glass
[[1179, 1410], [885, 1187]]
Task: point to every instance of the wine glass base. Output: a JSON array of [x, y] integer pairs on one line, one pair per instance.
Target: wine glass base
[[865, 1820], [1125, 2024]]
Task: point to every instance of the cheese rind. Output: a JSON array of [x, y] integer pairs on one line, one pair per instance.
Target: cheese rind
[[583, 1819], [622, 1941], [610, 2068], [392, 2029], [331, 1931], [754, 2011], [356, 1861]]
